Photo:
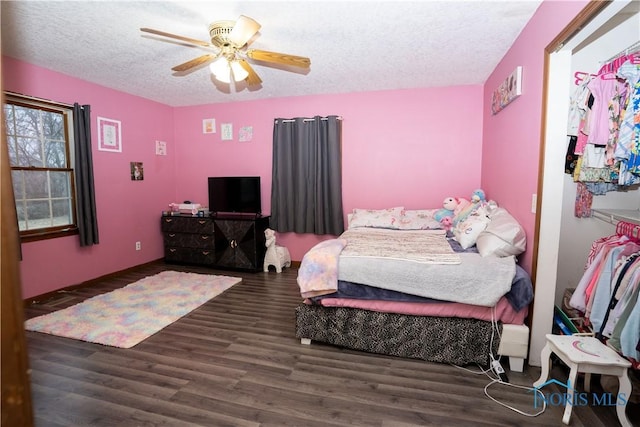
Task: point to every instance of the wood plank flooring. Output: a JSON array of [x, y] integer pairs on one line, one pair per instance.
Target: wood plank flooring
[[235, 361]]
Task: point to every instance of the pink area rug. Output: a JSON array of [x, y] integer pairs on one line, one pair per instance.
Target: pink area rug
[[126, 316]]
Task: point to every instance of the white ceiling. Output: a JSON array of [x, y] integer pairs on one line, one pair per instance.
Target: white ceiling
[[354, 46]]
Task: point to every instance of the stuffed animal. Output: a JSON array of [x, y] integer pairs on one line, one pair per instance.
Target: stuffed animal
[[447, 222], [462, 204], [448, 205], [278, 256], [478, 196]]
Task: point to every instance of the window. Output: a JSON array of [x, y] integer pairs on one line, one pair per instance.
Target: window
[[39, 140]]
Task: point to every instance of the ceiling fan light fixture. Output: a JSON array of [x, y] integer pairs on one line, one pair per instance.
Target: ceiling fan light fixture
[[239, 73], [224, 70], [221, 70]]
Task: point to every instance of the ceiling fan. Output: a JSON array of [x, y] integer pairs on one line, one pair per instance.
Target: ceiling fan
[[229, 42]]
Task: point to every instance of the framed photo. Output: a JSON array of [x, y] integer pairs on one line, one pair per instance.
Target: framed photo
[[508, 90], [227, 131], [137, 171], [161, 148], [245, 134], [109, 135], [209, 126]]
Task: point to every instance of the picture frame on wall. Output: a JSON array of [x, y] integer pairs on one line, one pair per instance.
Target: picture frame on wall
[[509, 90], [137, 171], [109, 135], [209, 126]]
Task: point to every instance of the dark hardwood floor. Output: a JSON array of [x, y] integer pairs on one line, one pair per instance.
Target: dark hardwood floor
[[235, 361]]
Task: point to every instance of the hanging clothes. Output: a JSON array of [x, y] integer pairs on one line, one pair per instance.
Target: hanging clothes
[[603, 130], [608, 292]]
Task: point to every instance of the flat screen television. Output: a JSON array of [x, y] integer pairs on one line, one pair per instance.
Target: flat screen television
[[234, 194]]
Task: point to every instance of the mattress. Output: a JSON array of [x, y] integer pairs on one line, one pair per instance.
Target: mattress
[[386, 262]]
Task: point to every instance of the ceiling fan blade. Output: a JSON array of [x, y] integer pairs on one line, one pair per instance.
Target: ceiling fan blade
[[243, 30], [279, 58], [194, 62], [174, 36], [252, 79]]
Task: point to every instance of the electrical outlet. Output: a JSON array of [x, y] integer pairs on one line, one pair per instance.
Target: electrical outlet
[[138, 246]]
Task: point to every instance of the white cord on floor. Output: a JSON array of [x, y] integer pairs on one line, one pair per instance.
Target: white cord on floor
[[495, 329], [494, 381]]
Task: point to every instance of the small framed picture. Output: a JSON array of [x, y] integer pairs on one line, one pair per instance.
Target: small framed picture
[[209, 126], [109, 135], [227, 131], [137, 171], [245, 134], [161, 148]]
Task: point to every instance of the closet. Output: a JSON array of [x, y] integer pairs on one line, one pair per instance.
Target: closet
[[565, 239]]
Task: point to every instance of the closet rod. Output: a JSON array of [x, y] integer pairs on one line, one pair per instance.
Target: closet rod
[[304, 120], [626, 51], [614, 216]]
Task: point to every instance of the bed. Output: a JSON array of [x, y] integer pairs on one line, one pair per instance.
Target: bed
[[408, 288]]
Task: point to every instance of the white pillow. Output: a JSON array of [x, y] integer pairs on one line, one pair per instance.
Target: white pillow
[[503, 237], [468, 231], [378, 218]]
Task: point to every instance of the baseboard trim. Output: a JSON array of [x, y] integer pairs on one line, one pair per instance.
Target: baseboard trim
[[90, 282]]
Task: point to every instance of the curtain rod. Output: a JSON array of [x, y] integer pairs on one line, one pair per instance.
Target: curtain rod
[[304, 120], [33, 98], [626, 51]]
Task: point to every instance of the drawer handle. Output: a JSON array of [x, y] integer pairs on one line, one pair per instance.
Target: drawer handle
[[172, 250], [172, 234], [205, 252], [233, 243], [204, 237], [168, 219], [202, 222]]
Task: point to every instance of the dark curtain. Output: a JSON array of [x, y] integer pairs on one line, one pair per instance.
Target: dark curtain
[[306, 189], [86, 199]]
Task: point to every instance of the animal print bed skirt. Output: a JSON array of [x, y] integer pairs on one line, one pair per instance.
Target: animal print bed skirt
[[435, 339]]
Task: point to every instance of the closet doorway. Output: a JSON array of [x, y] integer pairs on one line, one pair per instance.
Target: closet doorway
[[601, 32]]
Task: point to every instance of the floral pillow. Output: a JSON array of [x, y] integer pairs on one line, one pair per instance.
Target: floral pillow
[[418, 220], [378, 218]]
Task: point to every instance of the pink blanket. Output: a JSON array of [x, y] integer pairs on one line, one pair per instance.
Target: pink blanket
[[504, 312]]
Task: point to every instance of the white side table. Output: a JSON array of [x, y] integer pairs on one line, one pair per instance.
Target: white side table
[[588, 355]]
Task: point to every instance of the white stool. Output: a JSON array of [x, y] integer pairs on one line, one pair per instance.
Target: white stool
[[588, 355]]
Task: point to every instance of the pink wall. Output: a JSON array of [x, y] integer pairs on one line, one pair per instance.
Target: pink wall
[[399, 148], [128, 211], [511, 138], [404, 147]]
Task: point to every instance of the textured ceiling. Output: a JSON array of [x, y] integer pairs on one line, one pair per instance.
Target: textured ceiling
[[354, 46]]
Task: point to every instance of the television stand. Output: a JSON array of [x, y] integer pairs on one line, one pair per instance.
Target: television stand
[[235, 242]]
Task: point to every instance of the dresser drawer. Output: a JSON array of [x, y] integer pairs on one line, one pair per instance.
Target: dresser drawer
[[178, 224], [189, 256], [188, 240]]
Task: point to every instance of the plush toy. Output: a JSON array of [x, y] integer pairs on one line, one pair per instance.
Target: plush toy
[[462, 205], [446, 211], [447, 222], [478, 196], [278, 256]]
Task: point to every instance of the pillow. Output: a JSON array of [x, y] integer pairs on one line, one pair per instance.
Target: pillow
[[503, 237], [378, 218], [467, 232], [418, 220]]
